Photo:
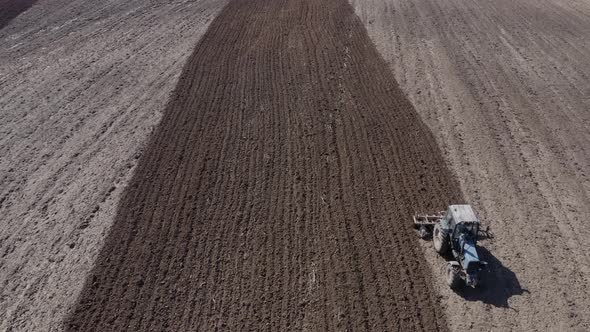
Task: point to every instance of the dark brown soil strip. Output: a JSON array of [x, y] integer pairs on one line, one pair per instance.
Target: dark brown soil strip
[[9, 9], [278, 190]]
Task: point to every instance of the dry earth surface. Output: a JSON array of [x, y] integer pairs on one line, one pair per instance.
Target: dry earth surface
[[505, 87], [82, 83], [275, 193]]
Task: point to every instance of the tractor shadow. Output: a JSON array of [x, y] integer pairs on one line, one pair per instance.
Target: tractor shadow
[[497, 284]]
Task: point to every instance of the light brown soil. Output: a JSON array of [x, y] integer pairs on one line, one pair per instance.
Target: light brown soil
[[82, 83], [276, 192], [505, 85]]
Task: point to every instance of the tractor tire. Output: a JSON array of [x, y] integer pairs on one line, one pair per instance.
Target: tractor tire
[[441, 240], [423, 233], [453, 278]]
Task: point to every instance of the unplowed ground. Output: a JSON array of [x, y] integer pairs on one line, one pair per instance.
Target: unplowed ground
[[504, 85], [287, 213], [276, 192], [82, 84]]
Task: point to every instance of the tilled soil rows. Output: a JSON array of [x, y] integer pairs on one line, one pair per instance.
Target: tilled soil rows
[[505, 87], [276, 193], [83, 84]]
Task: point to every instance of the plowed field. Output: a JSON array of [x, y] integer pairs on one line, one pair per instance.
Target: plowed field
[[82, 85], [276, 191], [505, 85]]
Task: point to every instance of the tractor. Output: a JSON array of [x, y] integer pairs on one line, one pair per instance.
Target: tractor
[[455, 232]]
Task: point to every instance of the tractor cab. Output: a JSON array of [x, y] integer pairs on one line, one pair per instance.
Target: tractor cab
[[461, 221], [464, 227]]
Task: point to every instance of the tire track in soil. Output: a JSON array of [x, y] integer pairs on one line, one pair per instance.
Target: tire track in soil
[[277, 191], [9, 9]]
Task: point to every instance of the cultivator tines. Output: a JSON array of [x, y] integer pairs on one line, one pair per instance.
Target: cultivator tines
[[425, 223], [427, 219]]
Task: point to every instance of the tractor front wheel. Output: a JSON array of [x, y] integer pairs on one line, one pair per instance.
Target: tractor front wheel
[[440, 239], [453, 277]]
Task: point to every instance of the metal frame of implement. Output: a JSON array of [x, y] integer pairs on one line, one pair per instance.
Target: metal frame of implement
[[425, 222]]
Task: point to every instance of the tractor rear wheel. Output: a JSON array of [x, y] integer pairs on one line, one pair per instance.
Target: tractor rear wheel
[[453, 277], [440, 239]]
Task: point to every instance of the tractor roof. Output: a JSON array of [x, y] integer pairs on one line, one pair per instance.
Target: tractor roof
[[462, 213]]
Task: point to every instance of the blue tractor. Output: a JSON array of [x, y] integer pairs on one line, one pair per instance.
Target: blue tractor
[[455, 232]]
